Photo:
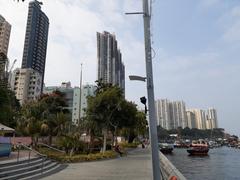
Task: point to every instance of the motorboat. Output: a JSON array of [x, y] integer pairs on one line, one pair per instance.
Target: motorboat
[[199, 147], [165, 148]]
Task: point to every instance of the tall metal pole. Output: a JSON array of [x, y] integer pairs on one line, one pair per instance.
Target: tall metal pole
[[150, 92], [80, 98]]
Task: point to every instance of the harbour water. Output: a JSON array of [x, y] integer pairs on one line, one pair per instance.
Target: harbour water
[[221, 163]]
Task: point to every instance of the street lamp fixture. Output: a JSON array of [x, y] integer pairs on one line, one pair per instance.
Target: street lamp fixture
[[137, 78]]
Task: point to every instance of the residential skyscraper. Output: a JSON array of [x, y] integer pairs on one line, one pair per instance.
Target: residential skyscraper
[[200, 116], [212, 116], [191, 119], [163, 113], [5, 30], [36, 38], [171, 115], [110, 66]]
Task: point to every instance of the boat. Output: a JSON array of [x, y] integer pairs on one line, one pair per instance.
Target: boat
[[165, 148], [199, 147], [180, 144]]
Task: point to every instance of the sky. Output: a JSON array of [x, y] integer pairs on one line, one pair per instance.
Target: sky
[[196, 45]]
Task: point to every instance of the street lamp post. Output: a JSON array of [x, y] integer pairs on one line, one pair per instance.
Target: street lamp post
[[150, 90]]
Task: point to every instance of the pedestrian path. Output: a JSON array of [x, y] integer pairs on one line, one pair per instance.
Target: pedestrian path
[[135, 166]]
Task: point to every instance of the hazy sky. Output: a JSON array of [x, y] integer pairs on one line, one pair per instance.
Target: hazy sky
[[197, 45]]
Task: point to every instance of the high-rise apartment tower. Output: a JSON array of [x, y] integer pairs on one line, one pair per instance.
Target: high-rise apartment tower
[[5, 30], [36, 38], [110, 66]]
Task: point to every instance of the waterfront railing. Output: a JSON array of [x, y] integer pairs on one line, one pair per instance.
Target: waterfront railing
[[168, 170]]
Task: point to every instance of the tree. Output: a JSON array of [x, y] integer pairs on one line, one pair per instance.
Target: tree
[[111, 112], [47, 116], [9, 107]]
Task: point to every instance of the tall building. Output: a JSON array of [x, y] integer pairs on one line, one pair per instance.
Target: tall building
[[191, 120], [5, 30], [163, 113], [26, 83], [179, 117], [171, 115], [212, 117], [110, 66], [36, 38], [3, 73], [200, 116]]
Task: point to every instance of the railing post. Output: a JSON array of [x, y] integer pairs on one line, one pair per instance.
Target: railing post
[[18, 153], [42, 163], [29, 154]]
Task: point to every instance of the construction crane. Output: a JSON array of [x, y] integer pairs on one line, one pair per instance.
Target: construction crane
[[14, 62]]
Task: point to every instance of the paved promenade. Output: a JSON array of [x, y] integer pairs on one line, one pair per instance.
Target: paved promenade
[[135, 166]]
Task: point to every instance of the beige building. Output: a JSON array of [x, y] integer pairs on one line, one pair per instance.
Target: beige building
[[212, 117], [200, 116], [191, 120], [5, 30], [26, 83]]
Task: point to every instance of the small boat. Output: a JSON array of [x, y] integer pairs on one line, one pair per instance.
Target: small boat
[[165, 148], [199, 147]]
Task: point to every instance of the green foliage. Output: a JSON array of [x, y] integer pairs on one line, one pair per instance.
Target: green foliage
[[129, 145], [191, 133], [71, 143], [46, 117], [109, 110], [78, 158], [9, 107]]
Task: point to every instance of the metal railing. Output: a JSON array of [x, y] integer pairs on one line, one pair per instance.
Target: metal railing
[[50, 147], [168, 170], [30, 150]]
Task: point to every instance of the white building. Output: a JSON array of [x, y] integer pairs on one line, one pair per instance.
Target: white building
[[163, 113], [73, 98], [200, 116], [26, 83], [191, 120], [171, 115], [87, 90], [212, 117]]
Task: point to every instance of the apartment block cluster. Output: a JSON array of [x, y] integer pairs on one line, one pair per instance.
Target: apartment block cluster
[[173, 114], [28, 81]]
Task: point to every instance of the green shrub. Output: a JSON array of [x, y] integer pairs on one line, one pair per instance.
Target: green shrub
[[77, 158], [129, 145]]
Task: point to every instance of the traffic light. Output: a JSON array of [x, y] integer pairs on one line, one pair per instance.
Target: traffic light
[[143, 100]]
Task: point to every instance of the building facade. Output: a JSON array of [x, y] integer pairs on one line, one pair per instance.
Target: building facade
[[163, 113], [191, 120], [26, 83], [200, 116], [5, 30], [171, 115], [36, 38], [212, 117], [110, 66], [73, 98]]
